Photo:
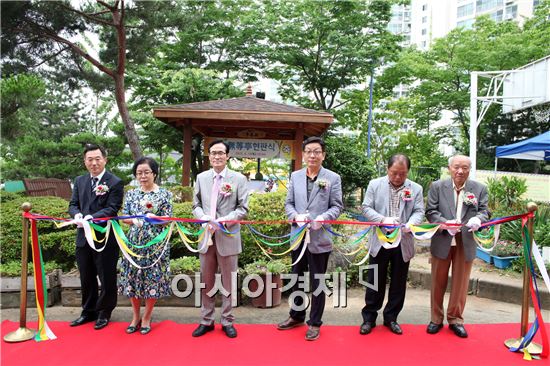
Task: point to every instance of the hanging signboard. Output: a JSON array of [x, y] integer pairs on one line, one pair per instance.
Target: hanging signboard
[[254, 149]]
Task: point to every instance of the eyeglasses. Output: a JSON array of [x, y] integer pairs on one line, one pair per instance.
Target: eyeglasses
[[313, 152], [143, 173], [217, 153]]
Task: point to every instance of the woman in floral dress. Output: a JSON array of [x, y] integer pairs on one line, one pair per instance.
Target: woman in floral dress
[[152, 281]]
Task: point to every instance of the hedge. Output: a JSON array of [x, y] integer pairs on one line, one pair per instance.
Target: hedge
[[58, 244]]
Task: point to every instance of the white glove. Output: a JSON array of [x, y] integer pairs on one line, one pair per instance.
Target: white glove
[[213, 226], [78, 219], [316, 224], [88, 218], [205, 218], [300, 219], [452, 229], [406, 228], [137, 222], [390, 220], [149, 214], [474, 223]]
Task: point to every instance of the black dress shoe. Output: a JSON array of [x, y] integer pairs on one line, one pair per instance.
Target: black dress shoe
[[459, 330], [366, 327], [230, 330], [202, 330], [289, 324], [434, 328], [394, 327], [81, 320], [101, 323]]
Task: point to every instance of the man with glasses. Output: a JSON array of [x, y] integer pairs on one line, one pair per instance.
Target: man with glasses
[[96, 194], [314, 195], [220, 195]]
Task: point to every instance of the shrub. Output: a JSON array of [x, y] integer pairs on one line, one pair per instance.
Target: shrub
[[184, 211], [185, 265], [507, 248], [13, 268], [506, 192], [512, 230], [182, 194], [57, 244], [263, 207], [262, 267], [9, 196]]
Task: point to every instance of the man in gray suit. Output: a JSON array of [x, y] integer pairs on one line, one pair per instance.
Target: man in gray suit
[[314, 195], [457, 200], [392, 199], [220, 195]]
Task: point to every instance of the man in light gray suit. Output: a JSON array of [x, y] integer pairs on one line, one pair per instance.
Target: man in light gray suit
[[220, 195], [457, 200], [314, 195], [392, 199]]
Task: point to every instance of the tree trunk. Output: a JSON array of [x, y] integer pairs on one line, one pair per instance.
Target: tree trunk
[[129, 127]]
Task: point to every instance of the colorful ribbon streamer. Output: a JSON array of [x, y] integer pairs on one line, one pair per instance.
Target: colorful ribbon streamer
[[44, 332]]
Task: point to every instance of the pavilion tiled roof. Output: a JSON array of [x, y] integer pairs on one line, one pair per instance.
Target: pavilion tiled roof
[[248, 103]]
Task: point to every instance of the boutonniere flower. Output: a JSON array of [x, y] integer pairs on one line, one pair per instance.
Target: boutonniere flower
[[322, 183], [469, 199], [226, 189], [101, 189], [406, 194], [148, 206]]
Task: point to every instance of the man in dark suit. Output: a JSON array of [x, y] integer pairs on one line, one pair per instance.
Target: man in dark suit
[[314, 194], [457, 200], [392, 199], [95, 195]]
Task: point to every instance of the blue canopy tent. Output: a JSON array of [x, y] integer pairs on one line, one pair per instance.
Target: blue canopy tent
[[535, 148]]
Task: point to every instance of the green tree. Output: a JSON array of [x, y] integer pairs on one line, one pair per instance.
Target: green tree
[[341, 151], [439, 78], [320, 48], [20, 94], [219, 35], [155, 86], [36, 33]]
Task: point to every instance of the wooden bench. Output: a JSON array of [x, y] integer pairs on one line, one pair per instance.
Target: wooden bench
[[48, 187]]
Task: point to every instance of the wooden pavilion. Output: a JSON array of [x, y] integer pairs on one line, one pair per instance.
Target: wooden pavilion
[[247, 118]]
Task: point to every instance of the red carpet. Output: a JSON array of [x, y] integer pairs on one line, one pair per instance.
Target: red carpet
[[170, 343]]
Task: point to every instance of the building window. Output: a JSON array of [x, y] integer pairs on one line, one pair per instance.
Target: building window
[[497, 15], [466, 24], [465, 10], [484, 5], [424, 31], [424, 7], [511, 12], [424, 19], [424, 44]]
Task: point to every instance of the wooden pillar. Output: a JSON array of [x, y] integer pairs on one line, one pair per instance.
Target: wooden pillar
[[298, 140], [205, 163], [187, 142]]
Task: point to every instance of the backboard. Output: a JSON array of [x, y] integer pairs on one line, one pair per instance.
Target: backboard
[[526, 86]]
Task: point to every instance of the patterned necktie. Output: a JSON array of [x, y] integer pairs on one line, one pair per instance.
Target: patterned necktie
[[94, 183], [214, 195]]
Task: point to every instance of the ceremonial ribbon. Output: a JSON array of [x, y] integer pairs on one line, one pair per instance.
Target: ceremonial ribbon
[[533, 288], [44, 332], [487, 238]]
